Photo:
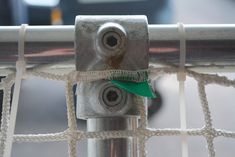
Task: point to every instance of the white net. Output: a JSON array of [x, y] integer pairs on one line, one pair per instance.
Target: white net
[[143, 132]]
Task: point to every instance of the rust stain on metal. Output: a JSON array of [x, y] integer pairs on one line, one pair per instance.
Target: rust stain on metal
[[114, 61]]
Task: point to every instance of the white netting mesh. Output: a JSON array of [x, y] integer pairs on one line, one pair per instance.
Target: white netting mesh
[[72, 135]]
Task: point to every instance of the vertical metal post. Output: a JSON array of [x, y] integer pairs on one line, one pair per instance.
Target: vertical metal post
[[120, 147]]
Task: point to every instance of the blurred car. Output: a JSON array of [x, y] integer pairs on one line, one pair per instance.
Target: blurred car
[[157, 11], [44, 12]]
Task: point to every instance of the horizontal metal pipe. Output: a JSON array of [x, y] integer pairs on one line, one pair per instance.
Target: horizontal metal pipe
[[205, 44]]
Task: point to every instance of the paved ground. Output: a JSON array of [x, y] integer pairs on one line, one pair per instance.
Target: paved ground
[[45, 112]]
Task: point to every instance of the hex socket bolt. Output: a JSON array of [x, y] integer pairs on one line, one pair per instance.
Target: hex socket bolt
[[111, 40]]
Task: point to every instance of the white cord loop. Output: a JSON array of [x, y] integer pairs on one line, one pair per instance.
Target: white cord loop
[[182, 36], [20, 64], [20, 70], [181, 76]]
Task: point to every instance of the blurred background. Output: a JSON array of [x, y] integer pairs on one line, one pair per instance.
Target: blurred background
[[42, 106], [46, 12]]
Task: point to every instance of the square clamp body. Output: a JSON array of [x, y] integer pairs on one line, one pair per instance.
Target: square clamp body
[[105, 43]]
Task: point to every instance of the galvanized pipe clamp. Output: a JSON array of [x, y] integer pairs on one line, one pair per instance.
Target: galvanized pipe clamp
[[104, 43]]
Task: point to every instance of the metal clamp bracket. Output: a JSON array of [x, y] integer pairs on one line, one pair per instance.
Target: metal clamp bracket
[[104, 43]]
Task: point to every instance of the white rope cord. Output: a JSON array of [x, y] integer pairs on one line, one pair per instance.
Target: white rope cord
[[181, 76], [7, 84], [210, 132], [148, 132], [20, 70], [72, 135], [72, 124], [142, 107]]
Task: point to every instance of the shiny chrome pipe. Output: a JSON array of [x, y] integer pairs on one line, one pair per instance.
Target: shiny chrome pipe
[[206, 44], [119, 147]]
